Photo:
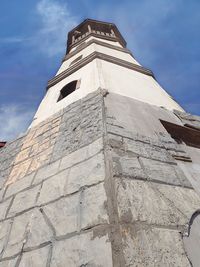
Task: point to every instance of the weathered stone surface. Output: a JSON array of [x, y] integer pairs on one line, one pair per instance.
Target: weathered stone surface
[[17, 235], [141, 201], [127, 164], [184, 199], [24, 200], [19, 185], [9, 263], [82, 250], [86, 173], [4, 234], [81, 124], [28, 230], [93, 206], [159, 171], [153, 248], [35, 258], [4, 207], [38, 230], [53, 187], [46, 171], [63, 214], [82, 154], [18, 171], [84, 209]]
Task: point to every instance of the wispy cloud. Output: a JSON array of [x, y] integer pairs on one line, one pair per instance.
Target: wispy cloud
[[15, 120], [14, 39], [56, 21]]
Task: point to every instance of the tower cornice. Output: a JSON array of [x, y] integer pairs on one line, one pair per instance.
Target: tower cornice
[[98, 42], [98, 55]]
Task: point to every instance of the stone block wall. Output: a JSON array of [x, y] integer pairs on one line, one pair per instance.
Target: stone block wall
[[80, 189]]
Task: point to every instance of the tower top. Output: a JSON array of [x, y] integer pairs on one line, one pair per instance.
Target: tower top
[[90, 27]]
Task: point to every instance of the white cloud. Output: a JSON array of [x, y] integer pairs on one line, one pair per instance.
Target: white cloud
[[14, 121], [13, 39], [56, 21]]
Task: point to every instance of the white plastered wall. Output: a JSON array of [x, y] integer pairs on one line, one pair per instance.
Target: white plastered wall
[[49, 105], [133, 84], [103, 74]]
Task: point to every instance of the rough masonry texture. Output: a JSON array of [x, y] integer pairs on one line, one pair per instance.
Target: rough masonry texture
[[88, 188]]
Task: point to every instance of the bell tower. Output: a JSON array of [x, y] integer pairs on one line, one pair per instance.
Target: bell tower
[[97, 57], [107, 173]]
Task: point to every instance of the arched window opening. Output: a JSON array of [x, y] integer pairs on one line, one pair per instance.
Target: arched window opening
[[68, 89]]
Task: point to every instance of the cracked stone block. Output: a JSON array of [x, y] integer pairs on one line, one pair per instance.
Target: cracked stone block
[[82, 210], [29, 230], [17, 235], [142, 201], [127, 164], [93, 206], [184, 199], [86, 173], [18, 171], [63, 214], [24, 200], [4, 207], [35, 258], [153, 248], [82, 250], [38, 230], [53, 187], [4, 234], [46, 171], [81, 154], [9, 263], [160, 171], [19, 185]]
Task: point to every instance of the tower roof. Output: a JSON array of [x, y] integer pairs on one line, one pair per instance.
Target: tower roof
[[96, 28]]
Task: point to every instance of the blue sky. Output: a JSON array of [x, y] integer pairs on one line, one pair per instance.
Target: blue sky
[[163, 35]]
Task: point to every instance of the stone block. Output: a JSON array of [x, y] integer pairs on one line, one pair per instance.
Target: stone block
[[24, 200], [46, 171], [160, 171], [9, 263], [78, 211], [41, 159], [82, 250], [29, 230], [148, 150], [35, 258], [81, 154], [153, 248], [54, 187], [19, 185], [127, 164], [4, 234], [17, 235], [18, 171], [140, 201], [184, 199], [63, 214], [4, 207], [86, 173], [38, 230], [22, 155], [93, 203]]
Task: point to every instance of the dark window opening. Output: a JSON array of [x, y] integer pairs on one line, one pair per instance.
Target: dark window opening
[[76, 60], [188, 135], [68, 89]]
